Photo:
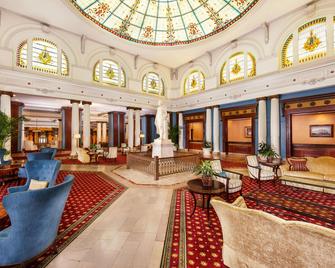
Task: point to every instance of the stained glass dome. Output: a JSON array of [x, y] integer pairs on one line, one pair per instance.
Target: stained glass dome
[[164, 22]]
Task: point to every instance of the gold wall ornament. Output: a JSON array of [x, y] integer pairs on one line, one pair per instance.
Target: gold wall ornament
[[45, 57], [153, 84], [236, 68], [194, 83], [110, 73], [312, 42]]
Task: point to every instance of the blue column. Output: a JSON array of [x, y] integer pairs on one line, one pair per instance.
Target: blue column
[[144, 129], [174, 119], [282, 133], [20, 130], [268, 121], [110, 130], [118, 131], [221, 135]]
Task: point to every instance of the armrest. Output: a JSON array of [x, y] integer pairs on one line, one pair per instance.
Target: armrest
[[254, 166], [233, 174], [16, 189]]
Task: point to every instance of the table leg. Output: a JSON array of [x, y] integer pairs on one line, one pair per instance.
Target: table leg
[[195, 203]]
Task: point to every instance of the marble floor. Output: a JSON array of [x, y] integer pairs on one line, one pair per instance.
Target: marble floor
[[130, 233]]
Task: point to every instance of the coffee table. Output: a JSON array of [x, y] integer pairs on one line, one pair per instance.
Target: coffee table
[[8, 172], [196, 186], [296, 205]]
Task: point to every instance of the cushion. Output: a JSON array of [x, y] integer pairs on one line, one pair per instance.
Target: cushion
[[322, 164], [36, 185], [298, 164], [239, 202], [222, 174], [305, 174]]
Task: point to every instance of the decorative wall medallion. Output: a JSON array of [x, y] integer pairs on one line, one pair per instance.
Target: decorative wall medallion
[[312, 42], [194, 83], [153, 84], [110, 73], [45, 56], [236, 68]]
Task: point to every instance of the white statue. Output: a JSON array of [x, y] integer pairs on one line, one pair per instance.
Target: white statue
[[161, 121]]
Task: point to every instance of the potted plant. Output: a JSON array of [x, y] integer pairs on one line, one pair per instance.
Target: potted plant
[[205, 169], [174, 136], [93, 147], [8, 129], [207, 149], [266, 152]]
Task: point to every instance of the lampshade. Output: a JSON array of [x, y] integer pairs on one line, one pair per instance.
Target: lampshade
[[142, 135], [77, 136]]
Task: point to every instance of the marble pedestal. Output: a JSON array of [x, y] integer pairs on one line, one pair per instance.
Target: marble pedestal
[[162, 148]]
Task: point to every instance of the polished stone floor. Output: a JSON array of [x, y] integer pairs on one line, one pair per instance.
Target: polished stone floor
[[130, 233]]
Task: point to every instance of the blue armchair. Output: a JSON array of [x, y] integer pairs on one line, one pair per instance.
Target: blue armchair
[[2, 155], [42, 170], [49, 150], [34, 156], [35, 217]]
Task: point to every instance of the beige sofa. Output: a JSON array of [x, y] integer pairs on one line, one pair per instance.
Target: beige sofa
[[320, 177], [256, 239], [83, 156]]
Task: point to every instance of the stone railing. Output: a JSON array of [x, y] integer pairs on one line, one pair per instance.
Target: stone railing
[[162, 166]]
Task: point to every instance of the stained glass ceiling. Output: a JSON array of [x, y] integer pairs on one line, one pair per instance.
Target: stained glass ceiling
[[164, 22]]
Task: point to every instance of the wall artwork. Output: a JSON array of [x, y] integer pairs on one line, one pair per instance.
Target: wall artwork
[[321, 131], [247, 132]]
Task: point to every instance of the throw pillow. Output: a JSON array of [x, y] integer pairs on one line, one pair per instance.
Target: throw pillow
[[36, 185], [297, 164], [239, 202]]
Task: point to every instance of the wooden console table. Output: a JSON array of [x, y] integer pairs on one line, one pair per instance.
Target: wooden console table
[[8, 172]]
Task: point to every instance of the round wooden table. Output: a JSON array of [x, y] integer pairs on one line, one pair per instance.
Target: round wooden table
[[275, 165], [196, 187]]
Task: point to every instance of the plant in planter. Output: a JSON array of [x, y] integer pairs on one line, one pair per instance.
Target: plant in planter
[[207, 149], [8, 129], [205, 169], [266, 151], [93, 147], [174, 135]]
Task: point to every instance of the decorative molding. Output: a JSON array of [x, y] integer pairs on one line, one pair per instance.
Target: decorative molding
[[86, 102], [249, 110], [75, 101], [83, 44], [11, 94], [266, 28]]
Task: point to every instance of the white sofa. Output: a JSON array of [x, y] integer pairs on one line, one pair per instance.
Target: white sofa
[[83, 156], [256, 239]]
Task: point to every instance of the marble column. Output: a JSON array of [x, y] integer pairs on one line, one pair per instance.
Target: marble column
[[5, 107], [216, 130], [275, 124], [262, 120], [209, 125], [181, 130], [137, 127], [86, 124], [104, 132], [130, 128], [74, 127], [98, 132]]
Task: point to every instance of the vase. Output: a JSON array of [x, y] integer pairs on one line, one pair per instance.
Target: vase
[[207, 181]]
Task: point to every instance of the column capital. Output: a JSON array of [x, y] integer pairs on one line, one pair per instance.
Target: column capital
[[75, 101], [261, 98], [274, 97], [134, 108], [10, 94], [86, 102]]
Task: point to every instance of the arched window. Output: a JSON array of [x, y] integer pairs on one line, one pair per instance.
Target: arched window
[[239, 66], [44, 56], [308, 43], [109, 72], [194, 82], [153, 84]]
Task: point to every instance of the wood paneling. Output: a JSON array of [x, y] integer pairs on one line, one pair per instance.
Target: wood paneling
[[189, 119], [240, 147], [315, 150]]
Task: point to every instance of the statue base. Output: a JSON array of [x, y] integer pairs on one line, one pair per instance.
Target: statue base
[[162, 148]]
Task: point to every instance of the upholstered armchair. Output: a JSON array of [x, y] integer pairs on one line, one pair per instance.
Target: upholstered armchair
[[232, 180], [124, 148], [112, 153], [258, 172], [53, 151], [2, 160], [34, 156], [83, 156], [35, 216], [40, 170]]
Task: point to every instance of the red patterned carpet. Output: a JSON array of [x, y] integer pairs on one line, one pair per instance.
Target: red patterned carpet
[[191, 242], [91, 194], [121, 160]]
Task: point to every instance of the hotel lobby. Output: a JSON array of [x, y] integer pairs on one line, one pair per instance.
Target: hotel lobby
[[167, 133]]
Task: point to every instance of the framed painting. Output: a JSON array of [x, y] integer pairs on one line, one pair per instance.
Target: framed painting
[[321, 131], [248, 132]]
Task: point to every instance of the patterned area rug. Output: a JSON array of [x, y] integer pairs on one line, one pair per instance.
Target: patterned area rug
[[121, 160], [91, 194], [191, 242]]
